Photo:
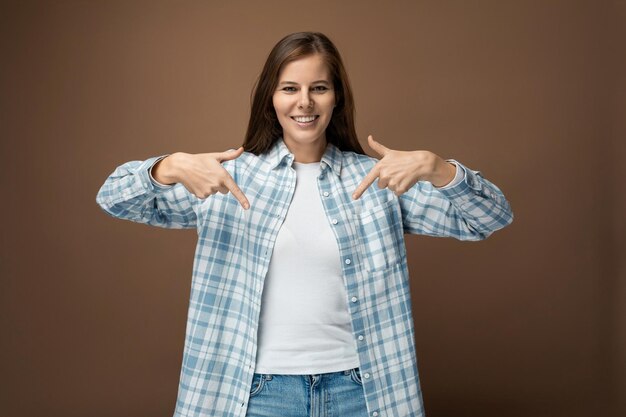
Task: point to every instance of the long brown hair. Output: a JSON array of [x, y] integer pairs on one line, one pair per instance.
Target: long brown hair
[[263, 126]]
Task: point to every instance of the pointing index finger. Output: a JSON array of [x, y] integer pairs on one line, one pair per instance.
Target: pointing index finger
[[236, 191], [365, 183]]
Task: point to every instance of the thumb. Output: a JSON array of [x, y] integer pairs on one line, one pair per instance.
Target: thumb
[[230, 154], [376, 146]]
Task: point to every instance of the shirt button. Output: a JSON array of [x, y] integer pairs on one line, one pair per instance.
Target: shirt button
[[334, 221], [366, 375], [361, 337], [348, 261], [375, 414], [326, 193], [354, 299]]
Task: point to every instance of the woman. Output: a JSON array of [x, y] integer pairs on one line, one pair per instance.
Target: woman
[[300, 301]]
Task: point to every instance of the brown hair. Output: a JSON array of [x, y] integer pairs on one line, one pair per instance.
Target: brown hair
[[263, 126]]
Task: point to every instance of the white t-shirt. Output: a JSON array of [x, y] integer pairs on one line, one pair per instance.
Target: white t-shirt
[[304, 326]]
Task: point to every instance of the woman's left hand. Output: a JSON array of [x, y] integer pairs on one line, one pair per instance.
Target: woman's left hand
[[400, 170]]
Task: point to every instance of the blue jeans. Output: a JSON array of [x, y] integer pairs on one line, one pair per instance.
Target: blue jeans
[[335, 394]]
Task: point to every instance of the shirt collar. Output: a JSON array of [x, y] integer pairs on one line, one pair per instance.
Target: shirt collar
[[333, 157]]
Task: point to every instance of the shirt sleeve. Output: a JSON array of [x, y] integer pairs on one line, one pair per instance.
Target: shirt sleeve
[[470, 209], [131, 193]]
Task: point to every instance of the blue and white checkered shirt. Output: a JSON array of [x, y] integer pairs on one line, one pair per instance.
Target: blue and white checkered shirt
[[235, 247]]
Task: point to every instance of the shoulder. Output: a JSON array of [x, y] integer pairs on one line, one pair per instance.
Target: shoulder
[[356, 163], [246, 159]]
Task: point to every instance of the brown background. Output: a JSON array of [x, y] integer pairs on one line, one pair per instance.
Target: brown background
[[530, 322]]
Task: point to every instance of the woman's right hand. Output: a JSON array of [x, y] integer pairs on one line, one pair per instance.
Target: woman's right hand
[[202, 174]]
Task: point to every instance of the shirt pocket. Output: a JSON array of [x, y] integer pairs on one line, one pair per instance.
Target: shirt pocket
[[380, 235]]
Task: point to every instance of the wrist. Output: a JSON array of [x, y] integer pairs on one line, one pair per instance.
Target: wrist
[[444, 175], [165, 171]]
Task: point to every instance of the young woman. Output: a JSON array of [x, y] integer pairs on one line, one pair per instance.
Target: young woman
[[300, 301]]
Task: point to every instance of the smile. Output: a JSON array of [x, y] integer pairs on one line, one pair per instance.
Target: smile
[[305, 119]]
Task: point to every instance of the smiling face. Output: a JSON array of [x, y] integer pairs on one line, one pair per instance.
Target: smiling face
[[304, 100]]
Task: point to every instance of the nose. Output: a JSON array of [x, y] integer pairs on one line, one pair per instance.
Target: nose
[[305, 99]]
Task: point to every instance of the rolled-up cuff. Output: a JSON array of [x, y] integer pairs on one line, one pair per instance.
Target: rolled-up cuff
[[155, 183]]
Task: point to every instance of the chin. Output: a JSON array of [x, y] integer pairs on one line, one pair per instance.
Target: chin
[[306, 139], [300, 136]]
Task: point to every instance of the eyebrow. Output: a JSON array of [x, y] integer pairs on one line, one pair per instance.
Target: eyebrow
[[314, 82]]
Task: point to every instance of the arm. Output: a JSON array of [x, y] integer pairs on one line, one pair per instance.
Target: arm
[[471, 209], [432, 201], [131, 193]]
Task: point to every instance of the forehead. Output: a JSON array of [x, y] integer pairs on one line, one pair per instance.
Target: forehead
[[307, 68]]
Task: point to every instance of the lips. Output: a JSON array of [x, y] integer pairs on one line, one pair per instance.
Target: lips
[[305, 119]]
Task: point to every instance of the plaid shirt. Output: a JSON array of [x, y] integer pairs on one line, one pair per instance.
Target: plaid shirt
[[235, 247]]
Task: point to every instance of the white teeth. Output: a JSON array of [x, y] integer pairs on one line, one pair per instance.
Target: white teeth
[[304, 119]]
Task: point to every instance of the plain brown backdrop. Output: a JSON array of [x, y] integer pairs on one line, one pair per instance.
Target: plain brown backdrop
[[529, 323]]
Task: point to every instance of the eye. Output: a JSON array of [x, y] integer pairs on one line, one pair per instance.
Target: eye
[[289, 89], [320, 88]]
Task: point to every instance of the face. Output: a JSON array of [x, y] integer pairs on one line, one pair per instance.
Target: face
[[304, 100]]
